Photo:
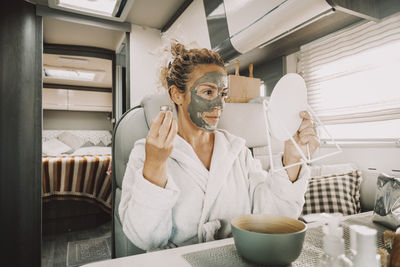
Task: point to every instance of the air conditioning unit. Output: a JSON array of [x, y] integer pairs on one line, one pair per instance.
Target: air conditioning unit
[[116, 10], [257, 23]]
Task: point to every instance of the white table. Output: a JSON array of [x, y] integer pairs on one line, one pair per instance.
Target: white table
[[167, 257], [173, 257]]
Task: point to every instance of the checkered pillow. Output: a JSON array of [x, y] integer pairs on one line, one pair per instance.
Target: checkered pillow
[[333, 193]]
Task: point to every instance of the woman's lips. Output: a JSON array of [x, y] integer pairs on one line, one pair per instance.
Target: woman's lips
[[213, 119]]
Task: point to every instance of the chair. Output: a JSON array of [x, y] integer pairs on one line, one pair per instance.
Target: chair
[[133, 125], [242, 119]]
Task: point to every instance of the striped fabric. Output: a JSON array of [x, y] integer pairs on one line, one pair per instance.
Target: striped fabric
[[334, 193], [77, 178]]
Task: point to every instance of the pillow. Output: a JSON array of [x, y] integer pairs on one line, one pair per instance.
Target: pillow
[[71, 140], [333, 193], [55, 147], [95, 136], [94, 150], [92, 136], [87, 144], [102, 144]]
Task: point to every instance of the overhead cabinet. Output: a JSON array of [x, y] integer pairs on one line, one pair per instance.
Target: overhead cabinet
[[55, 99], [62, 99], [264, 30], [261, 22]]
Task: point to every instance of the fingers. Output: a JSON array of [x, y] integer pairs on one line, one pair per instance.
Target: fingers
[[311, 140], [307, 134], [165, 126], [306, 123], [305, 115], [306, 139], [313, 143], [155, 124], [307, 131], [161, 125], [172, 133]]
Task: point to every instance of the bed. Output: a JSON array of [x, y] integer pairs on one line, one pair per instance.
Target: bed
[[76, 165]]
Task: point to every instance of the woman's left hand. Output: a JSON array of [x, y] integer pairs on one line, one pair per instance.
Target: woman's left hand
[[304, 136]]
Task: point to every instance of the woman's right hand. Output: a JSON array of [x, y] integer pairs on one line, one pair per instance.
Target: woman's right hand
[[159, 145]]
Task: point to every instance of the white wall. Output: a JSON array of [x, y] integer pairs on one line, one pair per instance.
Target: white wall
[[383, 158], [291, 63], [191, 26], [144, 43]]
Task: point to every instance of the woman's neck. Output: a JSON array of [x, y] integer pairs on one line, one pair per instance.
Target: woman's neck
[[195, 136]]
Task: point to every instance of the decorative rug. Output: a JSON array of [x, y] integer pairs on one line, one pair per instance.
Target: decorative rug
[[89, 250]]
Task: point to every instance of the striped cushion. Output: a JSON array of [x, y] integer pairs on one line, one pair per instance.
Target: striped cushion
[[334, 193]]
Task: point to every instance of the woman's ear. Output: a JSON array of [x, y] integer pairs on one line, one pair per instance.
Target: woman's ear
[[176, 95]]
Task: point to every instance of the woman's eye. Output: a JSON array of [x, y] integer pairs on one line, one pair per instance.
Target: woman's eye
[[208, 92], [224, 94]]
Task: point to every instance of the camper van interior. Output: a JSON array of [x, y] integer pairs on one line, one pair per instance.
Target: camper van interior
[[82, 96]]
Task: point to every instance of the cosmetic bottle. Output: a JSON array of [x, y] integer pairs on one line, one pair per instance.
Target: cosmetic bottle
[[353, 242], [366, 255], [333, 244]]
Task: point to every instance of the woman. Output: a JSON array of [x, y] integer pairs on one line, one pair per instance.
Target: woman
[[187, 180]]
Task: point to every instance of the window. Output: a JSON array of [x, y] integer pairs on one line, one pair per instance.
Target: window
[[102, 7], [65, 73], [353, 80], [109, 9]]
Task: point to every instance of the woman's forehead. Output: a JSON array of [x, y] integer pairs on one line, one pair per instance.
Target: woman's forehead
[[201, 74]]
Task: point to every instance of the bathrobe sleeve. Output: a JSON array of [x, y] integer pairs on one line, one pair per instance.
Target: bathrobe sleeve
[[274, 193], [145, 209]]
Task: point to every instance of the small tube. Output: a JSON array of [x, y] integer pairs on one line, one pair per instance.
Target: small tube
[[165, 108]]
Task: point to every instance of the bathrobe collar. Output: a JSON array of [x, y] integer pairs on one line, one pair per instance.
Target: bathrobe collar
[[226, 149]]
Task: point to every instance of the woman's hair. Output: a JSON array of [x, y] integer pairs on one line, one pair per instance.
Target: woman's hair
[[183, 62]]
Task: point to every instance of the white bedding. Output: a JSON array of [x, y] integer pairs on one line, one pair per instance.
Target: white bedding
[[76, 142], [92, 150], [55, 147], [96, 137]]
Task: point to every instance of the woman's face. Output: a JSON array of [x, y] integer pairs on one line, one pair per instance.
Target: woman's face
[[207, 89]]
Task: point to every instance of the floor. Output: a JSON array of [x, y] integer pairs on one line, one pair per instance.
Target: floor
[[54, 247]]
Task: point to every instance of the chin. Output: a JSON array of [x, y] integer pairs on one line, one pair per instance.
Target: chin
[[210, 129]]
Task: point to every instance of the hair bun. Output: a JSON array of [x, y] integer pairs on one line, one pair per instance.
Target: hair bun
[[178, 49]]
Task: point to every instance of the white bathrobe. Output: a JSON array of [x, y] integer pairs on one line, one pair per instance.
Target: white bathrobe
[[197, 204]]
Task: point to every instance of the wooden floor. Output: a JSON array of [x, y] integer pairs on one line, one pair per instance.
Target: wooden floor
[[54, 247]]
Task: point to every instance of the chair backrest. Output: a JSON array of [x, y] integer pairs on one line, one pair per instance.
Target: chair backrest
[[133, 126], [246, 120]]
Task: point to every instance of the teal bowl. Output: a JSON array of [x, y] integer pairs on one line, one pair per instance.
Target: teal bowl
[[268, 239]]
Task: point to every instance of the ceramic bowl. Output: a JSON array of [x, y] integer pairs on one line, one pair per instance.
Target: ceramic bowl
[[268, 239]]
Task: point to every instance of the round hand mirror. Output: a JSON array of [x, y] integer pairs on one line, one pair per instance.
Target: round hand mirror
[[288, 98]]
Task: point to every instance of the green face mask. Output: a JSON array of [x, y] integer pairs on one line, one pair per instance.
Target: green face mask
[[199, 105]]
